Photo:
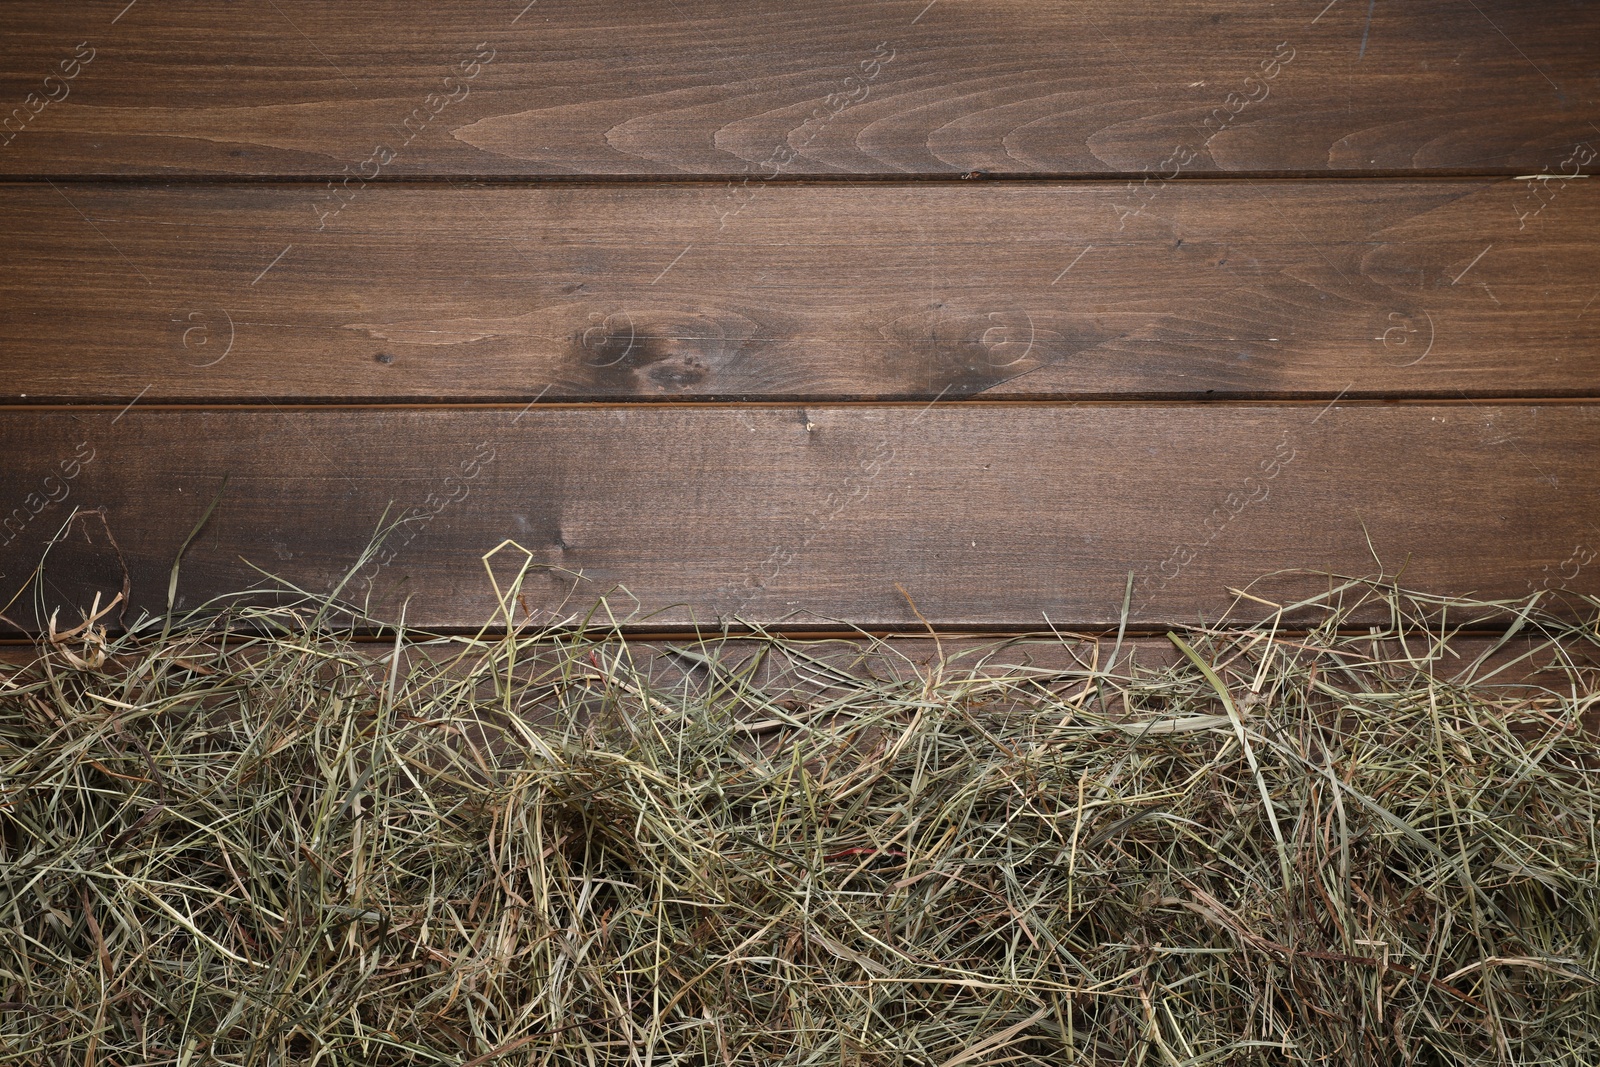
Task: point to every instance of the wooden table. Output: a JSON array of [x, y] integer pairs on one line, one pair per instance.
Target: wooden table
[[819, 315]]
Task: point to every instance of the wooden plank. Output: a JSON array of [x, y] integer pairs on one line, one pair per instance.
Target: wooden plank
[[381, 88], [820, 517], [802, 670], [1285, 289]]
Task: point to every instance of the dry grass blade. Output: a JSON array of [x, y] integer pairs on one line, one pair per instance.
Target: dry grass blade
[[274, 845]]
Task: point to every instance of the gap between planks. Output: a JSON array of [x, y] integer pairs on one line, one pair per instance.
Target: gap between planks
[[1371, 175], [1347, 399]]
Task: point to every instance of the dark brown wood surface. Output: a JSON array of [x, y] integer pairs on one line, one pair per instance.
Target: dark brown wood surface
[[682, 295], [805, 670], [986, 516], [418, 292], [370, 89]]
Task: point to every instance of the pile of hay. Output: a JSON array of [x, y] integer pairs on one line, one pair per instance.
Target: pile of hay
[[281, 846]]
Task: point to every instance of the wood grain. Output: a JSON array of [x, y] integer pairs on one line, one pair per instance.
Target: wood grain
[[726, 88], [1269, 289], [821, 517]]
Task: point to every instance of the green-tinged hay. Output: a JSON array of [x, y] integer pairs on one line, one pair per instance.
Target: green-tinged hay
[[286, 847]]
